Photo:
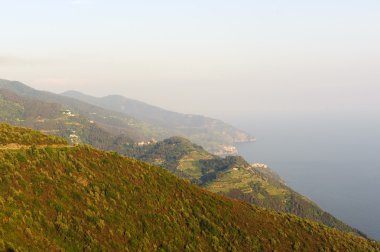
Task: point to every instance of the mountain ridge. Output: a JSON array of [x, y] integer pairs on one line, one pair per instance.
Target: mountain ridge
[[212, 133], [232, 176], [75, 126], [180, 124], [81, 198]]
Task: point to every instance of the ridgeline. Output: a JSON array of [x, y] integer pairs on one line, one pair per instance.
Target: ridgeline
[[80, 198]]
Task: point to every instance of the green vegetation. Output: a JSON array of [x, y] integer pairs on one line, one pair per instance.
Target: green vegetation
[[233, 177], [80, 198], [176, 154], [117, 119], [9, 111], [52, 118], [24, 136], [210, 133], [81, 123]]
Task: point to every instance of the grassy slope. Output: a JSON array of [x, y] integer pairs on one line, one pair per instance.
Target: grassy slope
[[109, 121], [49, 117], [81, 198], [175, 154], [208, 132], [157, 123], [233, 177], [24, 136]]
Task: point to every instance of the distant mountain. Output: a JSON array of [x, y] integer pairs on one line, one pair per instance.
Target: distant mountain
[[66, 198], [214, 135], [232, 176], [107, 128], [58, 119]]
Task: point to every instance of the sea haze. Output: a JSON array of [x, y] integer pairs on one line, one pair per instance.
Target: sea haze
[[332, 159]]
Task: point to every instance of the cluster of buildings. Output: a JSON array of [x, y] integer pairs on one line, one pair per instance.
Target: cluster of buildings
[[142, 143]]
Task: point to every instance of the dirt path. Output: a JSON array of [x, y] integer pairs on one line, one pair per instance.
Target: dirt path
[[14, 146]]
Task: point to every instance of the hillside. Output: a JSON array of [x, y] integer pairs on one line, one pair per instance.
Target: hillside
[[25, 106], [80, 198], [51, 105], [22, 136], [204, 131], [54, 118], [232, 177]]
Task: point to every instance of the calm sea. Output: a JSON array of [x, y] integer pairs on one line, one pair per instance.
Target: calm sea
[[334, 160]]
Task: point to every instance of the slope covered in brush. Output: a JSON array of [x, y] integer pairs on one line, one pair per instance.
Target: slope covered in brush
[[80, 198], [23, 136], [25, 106], [175, 154], [232, 176], [211, 133], [55, 118]]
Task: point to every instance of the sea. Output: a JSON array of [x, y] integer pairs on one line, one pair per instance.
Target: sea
[[332, 159]]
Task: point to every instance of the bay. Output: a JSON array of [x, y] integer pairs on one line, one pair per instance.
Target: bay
[[332, 159]]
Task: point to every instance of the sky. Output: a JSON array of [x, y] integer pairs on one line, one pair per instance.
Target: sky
[[212, 57]]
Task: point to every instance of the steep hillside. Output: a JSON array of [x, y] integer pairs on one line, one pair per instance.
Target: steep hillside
[[22, 136], [151, 123], [79, 198], [210, 133], [176, 154], [54, 118], [233, 177], [112, 122]]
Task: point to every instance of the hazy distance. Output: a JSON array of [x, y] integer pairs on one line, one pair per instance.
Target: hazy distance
[[207, 57]]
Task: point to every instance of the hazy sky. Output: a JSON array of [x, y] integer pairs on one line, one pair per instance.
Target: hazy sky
[[200, 56]]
